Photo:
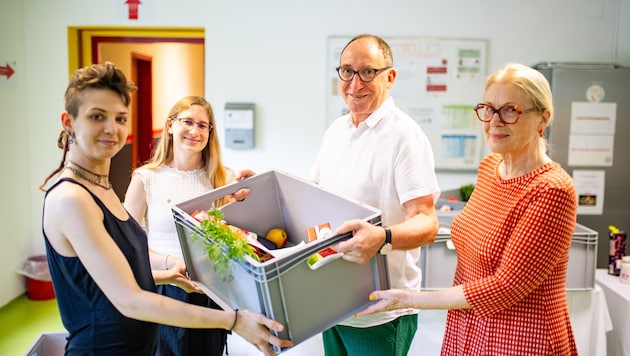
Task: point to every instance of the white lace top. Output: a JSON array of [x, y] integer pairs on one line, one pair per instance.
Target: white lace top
[[166, 187]]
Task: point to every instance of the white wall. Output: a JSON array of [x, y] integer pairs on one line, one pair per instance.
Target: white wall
[[271, 53], [16, 188]]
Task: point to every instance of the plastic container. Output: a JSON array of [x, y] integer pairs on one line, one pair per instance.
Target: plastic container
[[284, 288], [48, 344], [439, 260], [38, 282]]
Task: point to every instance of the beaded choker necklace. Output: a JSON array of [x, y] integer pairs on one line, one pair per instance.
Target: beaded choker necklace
[[90, 176]]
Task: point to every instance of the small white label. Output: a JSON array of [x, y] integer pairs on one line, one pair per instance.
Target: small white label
[[595, 93]]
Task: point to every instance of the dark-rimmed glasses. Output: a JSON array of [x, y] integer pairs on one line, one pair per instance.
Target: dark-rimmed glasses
[[190, 123], [508, 113], [366, 74]]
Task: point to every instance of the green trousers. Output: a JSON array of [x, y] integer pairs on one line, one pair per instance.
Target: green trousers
[[390, 339]]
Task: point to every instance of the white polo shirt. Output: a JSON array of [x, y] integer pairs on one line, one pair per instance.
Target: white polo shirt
[[384, 162]]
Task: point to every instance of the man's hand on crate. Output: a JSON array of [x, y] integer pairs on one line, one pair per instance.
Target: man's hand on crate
[[366, 241]]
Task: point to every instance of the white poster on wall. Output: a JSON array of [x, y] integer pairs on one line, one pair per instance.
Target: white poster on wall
[[589, 187], [592, 136]]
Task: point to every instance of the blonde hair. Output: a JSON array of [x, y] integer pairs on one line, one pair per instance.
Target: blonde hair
[[532, 82], [210, 155]]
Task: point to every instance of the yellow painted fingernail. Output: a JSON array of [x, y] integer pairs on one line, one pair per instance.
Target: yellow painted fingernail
[[372, 297]]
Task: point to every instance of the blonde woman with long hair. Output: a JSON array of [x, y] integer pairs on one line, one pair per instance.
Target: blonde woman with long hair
[[185, 164]]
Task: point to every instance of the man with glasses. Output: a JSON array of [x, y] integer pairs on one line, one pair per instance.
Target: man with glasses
[[378, 155]]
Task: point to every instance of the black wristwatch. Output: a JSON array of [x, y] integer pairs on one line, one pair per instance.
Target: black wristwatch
[[387, 246]]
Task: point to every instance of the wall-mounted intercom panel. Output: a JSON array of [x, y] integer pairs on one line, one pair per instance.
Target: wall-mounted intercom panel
[[239, 125]]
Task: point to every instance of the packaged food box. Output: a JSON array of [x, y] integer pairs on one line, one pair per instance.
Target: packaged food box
[[305, 300]]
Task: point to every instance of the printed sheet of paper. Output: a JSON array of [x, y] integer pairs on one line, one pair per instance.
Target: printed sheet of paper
[[589, 187], [592, 135]]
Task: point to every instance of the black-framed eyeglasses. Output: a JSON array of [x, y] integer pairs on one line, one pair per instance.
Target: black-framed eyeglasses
[[190, 123], [366, 74], [508, 113]]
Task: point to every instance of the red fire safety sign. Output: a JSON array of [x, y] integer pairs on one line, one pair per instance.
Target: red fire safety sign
[[133, 8]]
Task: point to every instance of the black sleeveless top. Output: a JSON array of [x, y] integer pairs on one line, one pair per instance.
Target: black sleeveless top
[[94, 325]]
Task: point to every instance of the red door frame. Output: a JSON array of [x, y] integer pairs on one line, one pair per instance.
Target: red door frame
[[142, 122], [83, 49]]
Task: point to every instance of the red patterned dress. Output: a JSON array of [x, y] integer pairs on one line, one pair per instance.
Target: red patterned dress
[[512, 241]]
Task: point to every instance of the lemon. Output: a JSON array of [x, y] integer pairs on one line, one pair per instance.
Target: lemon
[[277, 236]]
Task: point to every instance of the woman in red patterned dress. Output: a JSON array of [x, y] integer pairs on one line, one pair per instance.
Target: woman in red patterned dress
[[513, 236]]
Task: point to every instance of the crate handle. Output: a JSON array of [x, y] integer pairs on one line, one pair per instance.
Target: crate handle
[[325, 260], [324, 253], [232, 188]]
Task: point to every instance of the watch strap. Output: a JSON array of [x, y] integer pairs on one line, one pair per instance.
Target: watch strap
[[387, 246], [388, 235]]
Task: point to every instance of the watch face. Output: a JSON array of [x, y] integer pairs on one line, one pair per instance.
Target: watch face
[[386, 249]]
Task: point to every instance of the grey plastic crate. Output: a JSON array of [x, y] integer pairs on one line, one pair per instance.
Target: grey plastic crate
[[305, 301], [48, 344], [582, 259], [439, 260]]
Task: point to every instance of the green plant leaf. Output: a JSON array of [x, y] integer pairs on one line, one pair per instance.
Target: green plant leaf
[[466, 191], [223, 244]]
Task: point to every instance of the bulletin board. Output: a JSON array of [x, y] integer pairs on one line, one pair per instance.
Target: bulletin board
[[438, 83]]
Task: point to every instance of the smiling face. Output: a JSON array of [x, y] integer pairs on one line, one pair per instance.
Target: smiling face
[[190, 137], [100, 127], [363, 98], [520, 138]]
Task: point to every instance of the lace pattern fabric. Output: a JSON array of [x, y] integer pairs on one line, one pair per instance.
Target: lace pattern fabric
[[166, 187]]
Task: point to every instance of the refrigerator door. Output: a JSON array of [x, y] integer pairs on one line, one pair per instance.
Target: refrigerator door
[[603, 83]]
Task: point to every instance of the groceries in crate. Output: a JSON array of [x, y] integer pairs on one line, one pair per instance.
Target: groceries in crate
[[214, 219], [240, 242], [325, 256], [278, 237], [274, 239], [225, 242], [266, 243]]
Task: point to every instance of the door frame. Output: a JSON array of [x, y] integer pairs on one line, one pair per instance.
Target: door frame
[[83, 47], [83, 40]]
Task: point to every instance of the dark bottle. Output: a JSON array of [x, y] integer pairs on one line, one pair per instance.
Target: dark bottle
[[617, 249]]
